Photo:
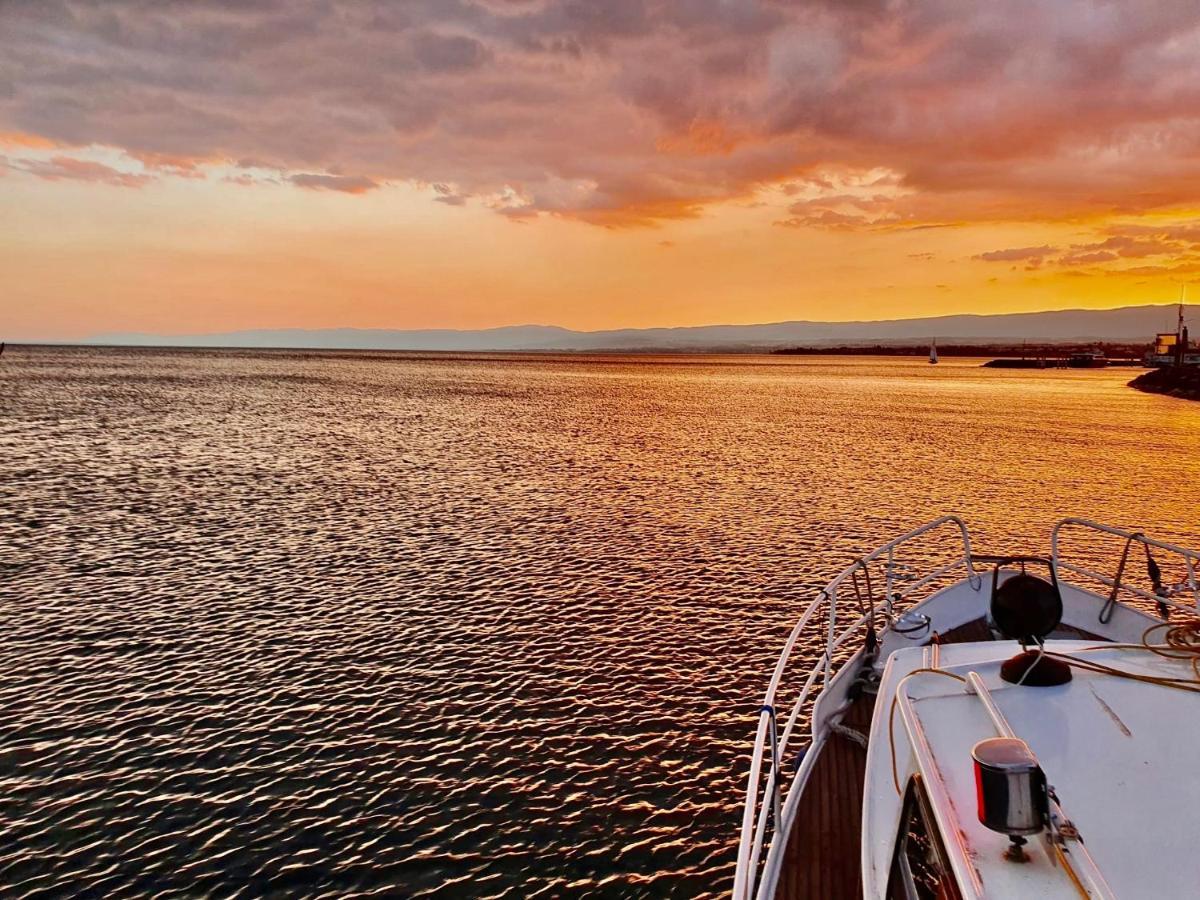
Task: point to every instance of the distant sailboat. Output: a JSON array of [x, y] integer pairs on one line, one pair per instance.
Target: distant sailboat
[[933, 352]]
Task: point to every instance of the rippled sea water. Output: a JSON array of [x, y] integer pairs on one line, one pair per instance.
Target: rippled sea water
[[338, 624]]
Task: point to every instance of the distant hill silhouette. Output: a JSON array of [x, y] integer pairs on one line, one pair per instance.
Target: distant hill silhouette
[[1130, 323]]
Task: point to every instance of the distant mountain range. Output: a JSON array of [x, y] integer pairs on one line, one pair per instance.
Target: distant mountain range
[[1130, 323]]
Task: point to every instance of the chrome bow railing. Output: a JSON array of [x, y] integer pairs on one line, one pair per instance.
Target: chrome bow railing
[[771, 799], [1162, 594], [768, 806]]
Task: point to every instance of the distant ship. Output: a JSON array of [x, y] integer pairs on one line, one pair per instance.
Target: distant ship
[[933, 352], [1088, 359], [962, 729]]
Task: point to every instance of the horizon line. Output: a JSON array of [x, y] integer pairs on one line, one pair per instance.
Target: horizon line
[[514, 326]]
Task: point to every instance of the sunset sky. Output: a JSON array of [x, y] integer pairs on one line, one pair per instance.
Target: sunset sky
[[181, 167]]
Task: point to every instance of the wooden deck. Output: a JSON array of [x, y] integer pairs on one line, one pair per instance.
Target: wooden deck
[[825, 863]]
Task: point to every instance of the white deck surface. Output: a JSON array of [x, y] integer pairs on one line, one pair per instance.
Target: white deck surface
[[1124, 758]]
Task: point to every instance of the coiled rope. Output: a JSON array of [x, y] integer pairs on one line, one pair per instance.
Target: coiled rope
[[1180, 640]]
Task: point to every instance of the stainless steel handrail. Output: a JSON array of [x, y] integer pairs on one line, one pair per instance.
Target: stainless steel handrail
[[763, 797], [1190, 557]]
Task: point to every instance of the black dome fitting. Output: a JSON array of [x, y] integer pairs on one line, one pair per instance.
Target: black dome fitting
[[1026, 608]]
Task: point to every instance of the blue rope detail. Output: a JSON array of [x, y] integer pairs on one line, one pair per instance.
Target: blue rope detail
[[801, 753]]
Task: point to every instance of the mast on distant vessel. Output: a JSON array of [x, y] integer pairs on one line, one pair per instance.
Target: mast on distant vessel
[[1181, 336]]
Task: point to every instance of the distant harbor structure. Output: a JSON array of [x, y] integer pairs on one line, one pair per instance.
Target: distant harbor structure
[[1176, 365], [1095, 357], [1038, 362], [1172, 348]]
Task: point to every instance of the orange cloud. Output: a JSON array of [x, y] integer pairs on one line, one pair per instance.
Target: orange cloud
[[20, 139], [67, 168], [702, 138], [170, 164], [347, 184], [1018, 254]]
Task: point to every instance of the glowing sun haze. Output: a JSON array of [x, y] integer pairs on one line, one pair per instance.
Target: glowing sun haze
[[192, 166]]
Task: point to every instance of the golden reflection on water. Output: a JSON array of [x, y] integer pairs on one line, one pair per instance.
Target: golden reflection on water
[[329, 623]]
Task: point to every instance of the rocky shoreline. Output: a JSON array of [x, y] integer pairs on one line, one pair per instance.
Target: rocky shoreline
[[1181, 381]]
